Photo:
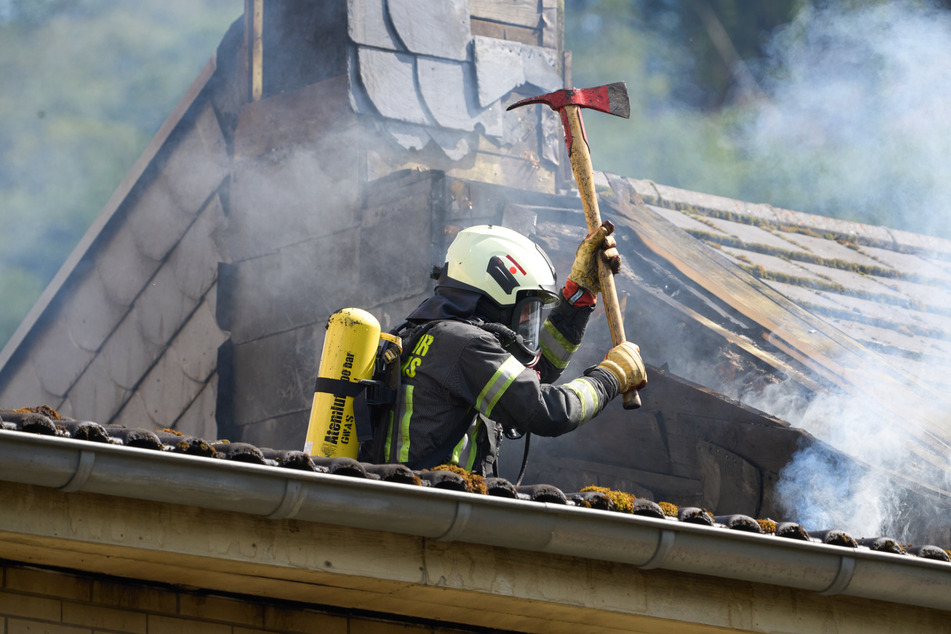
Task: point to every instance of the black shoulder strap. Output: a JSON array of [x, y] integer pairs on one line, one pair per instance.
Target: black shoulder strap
[[358, 391]]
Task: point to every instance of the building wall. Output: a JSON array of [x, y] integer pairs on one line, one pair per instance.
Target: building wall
[[37, 599]]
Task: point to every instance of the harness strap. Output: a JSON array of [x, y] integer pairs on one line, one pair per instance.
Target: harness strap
[[358, 392], [506, 336]]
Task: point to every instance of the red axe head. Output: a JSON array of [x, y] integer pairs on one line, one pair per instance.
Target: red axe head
[[611, 98]]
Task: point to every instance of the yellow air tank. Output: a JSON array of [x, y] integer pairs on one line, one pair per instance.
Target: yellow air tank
[[348, 356]]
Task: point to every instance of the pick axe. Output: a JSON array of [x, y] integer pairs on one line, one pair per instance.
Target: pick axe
[[568, 102]]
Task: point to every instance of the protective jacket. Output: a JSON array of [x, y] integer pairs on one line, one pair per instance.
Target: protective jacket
[[461, 387]]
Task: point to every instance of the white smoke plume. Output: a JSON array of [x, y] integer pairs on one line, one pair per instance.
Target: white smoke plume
[[858, 116], [822, 488]]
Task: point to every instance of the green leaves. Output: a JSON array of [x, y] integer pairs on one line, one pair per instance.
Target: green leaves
[[86, 84]]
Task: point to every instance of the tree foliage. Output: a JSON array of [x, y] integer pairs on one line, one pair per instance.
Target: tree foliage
[[86, 85], [836, 108]]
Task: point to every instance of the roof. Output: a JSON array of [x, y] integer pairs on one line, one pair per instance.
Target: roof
[[889, 290], [290, 490]]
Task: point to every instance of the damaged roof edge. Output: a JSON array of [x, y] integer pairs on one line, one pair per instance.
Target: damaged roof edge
[[70, 465], [108, 212]]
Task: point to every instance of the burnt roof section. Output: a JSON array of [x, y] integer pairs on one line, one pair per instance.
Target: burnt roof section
[[826, 352], [890, 290], [852, 275]]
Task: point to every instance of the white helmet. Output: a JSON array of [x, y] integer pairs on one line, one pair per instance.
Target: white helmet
[[509, 269]]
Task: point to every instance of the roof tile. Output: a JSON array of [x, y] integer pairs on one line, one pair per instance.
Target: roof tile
[[439, 28], [95, 394], [772, 264], [553, 138], [390, 82], [24, 387], [454, 144], [551, 34], [198, 163], [89, 313], [445, 88], [123, 268], [194, 261], [758, 236], [156, 220], [134, 413], [502, 66], [519, 12], [166, 390], [162, 308], [57, 359], [851, 282], [687, 222], [409, 136], [931, 297], [197, 343], [199, 418], [830, 249], [809, 298], [908, 263], [367, 24], [128, 354]]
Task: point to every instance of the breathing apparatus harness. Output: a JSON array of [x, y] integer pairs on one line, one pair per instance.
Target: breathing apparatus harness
[[383, 402]]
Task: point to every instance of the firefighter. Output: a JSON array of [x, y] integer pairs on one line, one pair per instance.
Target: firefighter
[[479, 361]]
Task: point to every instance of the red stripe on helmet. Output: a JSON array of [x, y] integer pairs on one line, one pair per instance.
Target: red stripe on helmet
[[516, 264]]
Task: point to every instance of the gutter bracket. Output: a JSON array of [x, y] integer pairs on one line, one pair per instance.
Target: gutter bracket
[[665, 543], [842, 578], [459, 522], [291, 502], [86, 461]]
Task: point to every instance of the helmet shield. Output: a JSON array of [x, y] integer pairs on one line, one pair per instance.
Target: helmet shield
[[527, 318]]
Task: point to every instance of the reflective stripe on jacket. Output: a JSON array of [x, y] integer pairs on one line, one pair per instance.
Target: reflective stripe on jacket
[[460, 387]]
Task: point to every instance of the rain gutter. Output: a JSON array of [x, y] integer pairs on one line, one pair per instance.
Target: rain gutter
[[72, 465]]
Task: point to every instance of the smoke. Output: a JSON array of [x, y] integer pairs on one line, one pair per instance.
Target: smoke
[[844, 480], [856, 119]]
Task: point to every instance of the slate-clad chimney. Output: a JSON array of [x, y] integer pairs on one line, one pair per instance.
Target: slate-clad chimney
[[362, 122]]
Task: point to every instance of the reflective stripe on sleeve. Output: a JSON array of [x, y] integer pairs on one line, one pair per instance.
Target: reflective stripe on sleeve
[[497, 385], [555, 347], [586, 393]]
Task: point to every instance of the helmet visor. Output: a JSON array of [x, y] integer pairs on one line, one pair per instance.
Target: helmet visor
[[527, 322]]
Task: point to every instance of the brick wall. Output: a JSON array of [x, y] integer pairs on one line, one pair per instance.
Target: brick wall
[[47, 601]]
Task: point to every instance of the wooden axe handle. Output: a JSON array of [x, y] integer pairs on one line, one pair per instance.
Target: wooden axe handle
[[584, 176]]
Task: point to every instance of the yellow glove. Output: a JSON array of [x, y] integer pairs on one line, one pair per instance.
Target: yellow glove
[[624, 362], [584, 271]]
